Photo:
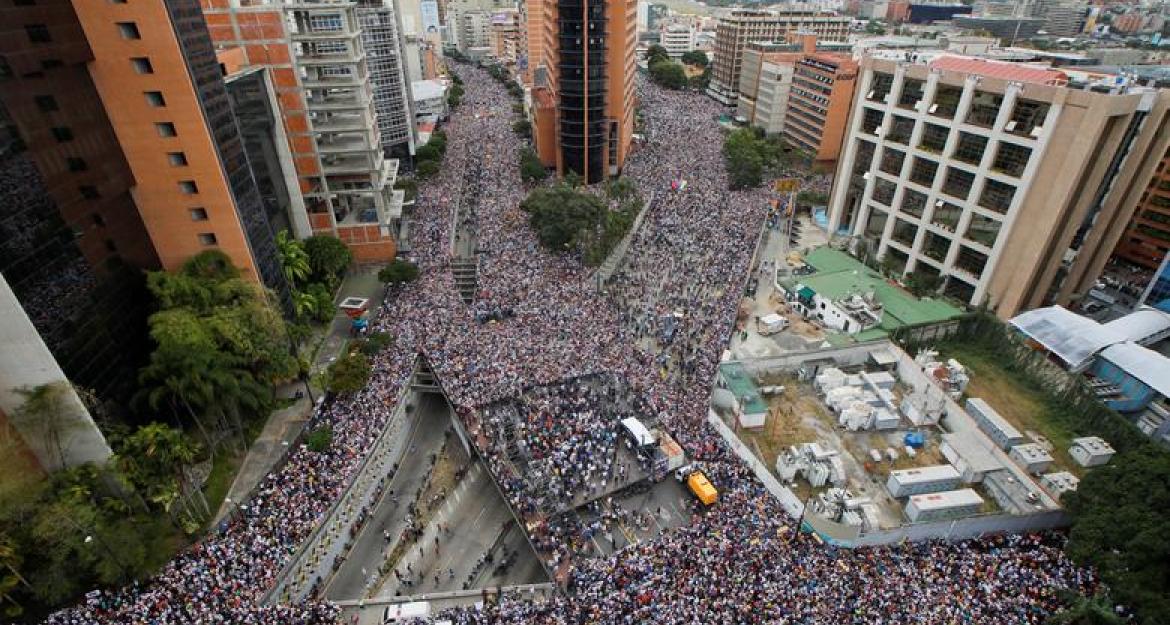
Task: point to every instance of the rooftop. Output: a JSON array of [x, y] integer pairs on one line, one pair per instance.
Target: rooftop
[[839, 274], [1001, 70], [1140, 325], [1071, 337], [1142, 363], [743, 387]]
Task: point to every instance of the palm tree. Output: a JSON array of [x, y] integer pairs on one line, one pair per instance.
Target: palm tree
[[294, 260]]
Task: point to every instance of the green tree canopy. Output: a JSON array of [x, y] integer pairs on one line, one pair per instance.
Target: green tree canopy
[[1120, 527], [348, 374], [568, 220], [745, 159], [531, 169], [328, 258], [522, 127], [428, 152], [668, 73], [426, 169], [398, 272], [656, 53], [698, 58]]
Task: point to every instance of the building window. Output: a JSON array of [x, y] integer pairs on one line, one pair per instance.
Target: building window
[[934, 138], [165, 129], [129, 30], [142, 65], [329, 22], [155, 98], [913, 203], [1011, 159], [177, 159], [46, 103], [958, 183], [883, 191], [37, 33], [89, 192], [970, 149], [198, 214], [997, 196], [76, 164], [1027, 117], [946, 101], [923, 171], [946, 215], [984, 109], [188, 187], [871, 120], [901, 130], [207, 238], [62, 134], [892, 161]]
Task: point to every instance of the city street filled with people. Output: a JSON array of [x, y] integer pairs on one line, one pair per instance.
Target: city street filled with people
[[659, 326]]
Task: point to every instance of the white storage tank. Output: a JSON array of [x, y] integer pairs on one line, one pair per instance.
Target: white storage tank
[[921, 480], [1032, 457], [951, 504], [1091, 451]]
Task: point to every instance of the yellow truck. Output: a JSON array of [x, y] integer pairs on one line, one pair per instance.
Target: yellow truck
[[702, 488]]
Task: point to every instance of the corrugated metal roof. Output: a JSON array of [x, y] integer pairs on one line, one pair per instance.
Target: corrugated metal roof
[[1140, 325], [1001, 70], [1144, 364], [1073, 338]]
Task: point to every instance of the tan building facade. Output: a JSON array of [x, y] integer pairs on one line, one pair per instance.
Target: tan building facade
[[996, 182], [582, 84], [735, 31]]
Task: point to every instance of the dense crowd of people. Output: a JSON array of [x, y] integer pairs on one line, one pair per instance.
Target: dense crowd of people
[[659, 328]]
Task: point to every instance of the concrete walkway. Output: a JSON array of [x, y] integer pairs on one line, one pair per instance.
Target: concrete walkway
[[284, 425]]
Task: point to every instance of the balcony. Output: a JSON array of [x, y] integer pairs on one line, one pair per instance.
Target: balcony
[[337, 102], [946, 101], [337, 165], [958, 183], [923, 171], [997, 196], [871, 120], [984, 109], [982, 230], [934, 138], [904, 233], [970, 148], [901, 130], [880, 87], [913, 203], [1026, 119], [883, 191], [971, 262], [946, 216], [911, 94], [340, 123], [339, 144], [1011, 159], [892, 161], [935, 247]]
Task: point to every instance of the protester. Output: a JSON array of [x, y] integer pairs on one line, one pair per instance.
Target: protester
[[541, 368]]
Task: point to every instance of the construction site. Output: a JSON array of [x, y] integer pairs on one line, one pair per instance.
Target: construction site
[[872, 441]]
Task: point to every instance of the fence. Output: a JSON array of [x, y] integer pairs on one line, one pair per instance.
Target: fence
[[328, 541], [787, 498], [618, 253], [542, 591]]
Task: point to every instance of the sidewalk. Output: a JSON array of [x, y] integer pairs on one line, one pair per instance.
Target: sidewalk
[[285, 425]]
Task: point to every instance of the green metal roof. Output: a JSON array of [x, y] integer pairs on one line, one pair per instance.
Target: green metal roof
[[839, 274], [743, 387]]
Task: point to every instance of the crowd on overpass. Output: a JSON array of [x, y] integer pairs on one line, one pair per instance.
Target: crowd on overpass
[[740, 562]]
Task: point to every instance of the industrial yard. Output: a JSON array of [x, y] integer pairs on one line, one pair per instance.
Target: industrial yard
[[871, 440]]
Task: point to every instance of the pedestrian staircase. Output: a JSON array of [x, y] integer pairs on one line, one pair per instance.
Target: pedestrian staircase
[[465, 271]]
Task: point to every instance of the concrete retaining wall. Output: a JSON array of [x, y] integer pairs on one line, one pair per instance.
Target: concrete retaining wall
[[318, 553]]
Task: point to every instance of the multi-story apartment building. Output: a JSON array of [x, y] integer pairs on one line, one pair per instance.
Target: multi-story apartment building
[[735, 31], [385, 51], [505, 37], [1146, 241], [1002, 181], [677, 39], [582, 55], [765, 84], [804, 95], [356, 185], [318, 65]]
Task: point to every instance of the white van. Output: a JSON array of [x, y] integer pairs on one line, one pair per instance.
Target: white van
[[411, 612]]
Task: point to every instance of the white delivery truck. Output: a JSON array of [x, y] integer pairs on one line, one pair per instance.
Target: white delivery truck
[[411, 612], [772, 324]]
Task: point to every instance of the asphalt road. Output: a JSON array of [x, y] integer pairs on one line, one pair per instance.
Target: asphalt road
[[426, 429]]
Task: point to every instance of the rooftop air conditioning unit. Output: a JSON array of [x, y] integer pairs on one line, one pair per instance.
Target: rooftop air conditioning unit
[[1010, 126], [865, 176], [933, 108], [1036, 132]]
